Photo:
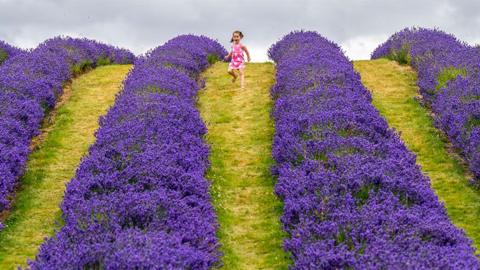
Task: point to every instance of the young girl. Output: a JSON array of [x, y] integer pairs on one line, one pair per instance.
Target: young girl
[[237, 58]]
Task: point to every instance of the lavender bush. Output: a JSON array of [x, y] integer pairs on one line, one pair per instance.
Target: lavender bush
[[7, 51], [448, 78], [140, 199], [30, 84], [353, 196]]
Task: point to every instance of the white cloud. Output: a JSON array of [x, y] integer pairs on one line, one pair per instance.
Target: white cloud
[[358, 26], [360, 48]]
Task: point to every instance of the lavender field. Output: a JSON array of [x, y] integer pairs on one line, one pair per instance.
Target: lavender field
[[354, 197], [111, 160]]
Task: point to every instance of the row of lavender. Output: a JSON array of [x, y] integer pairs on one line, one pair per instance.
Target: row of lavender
[[140, 199], [353, 195], [449, 81], [7, 51], [30, 83]]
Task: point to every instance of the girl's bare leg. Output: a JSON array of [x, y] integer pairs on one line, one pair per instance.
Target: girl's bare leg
[[232, 72], [242, 78]]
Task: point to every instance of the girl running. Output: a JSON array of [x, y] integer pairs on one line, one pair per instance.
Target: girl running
[[237, 61]]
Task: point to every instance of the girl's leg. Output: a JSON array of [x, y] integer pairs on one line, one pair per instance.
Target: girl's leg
[[232, 72], [242, 78]]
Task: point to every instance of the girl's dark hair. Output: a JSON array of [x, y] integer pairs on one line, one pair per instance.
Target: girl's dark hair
[[236, 32]]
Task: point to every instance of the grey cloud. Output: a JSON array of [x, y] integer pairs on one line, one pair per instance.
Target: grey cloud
[[357, 25]]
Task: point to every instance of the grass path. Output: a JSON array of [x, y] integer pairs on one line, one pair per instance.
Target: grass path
[[36, 212], [393, 90], [240, 134]]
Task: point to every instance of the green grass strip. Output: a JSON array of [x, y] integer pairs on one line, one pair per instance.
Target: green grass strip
[[448, 74], [36, 213], [393, 89], [240, 133]]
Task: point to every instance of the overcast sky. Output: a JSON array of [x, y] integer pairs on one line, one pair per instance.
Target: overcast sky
[[357, 25]]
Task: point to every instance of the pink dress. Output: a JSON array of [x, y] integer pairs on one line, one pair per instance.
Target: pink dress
[[237, 57]]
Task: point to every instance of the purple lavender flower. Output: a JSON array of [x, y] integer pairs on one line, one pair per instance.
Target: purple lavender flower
[[448, 78], [30, 84], [8, 51], [140, 200], [353, 196]]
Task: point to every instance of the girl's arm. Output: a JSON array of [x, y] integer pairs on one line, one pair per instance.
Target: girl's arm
[[244, 48], [228, 56]]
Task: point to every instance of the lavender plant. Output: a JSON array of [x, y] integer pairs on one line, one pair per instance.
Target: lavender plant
[[448, 78], [30, 84], [353, 196], [7, 51], [140, 200]]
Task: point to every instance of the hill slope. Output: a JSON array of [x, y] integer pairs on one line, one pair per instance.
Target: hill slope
[[36, 213], [240, 134], [394, 89]]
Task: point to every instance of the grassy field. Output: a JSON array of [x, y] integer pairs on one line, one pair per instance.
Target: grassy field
[[393, 89], [36, 213], [240, 134]]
